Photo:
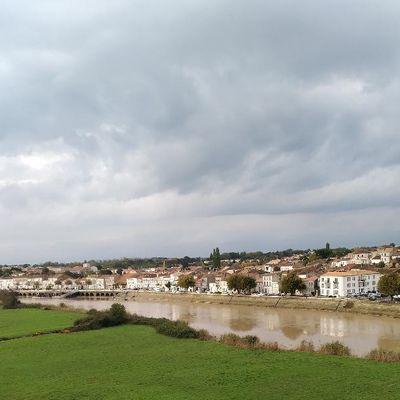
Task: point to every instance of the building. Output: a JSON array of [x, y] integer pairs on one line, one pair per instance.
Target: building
[[361, 257], [271, 283], [347, 283], [220, 285]]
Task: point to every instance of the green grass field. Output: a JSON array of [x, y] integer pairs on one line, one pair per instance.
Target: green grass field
[[14, 323], [134, 362]]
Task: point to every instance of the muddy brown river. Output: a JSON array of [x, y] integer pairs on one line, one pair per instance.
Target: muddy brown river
[[361, 333]]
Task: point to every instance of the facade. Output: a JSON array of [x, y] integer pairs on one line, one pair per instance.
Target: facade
[[361, 257], [271, 283], [219, 286], [348, 283]]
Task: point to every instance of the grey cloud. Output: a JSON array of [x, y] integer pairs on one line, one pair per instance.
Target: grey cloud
[[133, 111]]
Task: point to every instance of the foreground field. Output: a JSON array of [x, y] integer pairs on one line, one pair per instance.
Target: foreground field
[[14, 323], [133, 362]]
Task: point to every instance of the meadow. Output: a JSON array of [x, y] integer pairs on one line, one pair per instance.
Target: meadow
[[25, 321], [134, 362]]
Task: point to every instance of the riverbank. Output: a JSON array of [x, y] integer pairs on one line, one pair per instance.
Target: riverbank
[[305, 303]]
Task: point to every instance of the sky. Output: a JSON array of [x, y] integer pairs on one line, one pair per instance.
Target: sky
[[133, 128]]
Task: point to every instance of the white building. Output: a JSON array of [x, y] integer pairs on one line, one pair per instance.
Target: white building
[[150, 282], [347, 283], [360, 257], [271, 283], [342, 262], [219, 286]]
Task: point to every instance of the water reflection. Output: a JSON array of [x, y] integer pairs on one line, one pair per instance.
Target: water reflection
[[288, 327], [291, 332], [389, 343]]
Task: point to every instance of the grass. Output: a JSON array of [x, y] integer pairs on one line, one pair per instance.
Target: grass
[[19, 322], [134, 362]]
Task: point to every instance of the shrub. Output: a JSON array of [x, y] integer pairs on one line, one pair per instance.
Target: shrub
[[383, 355], [230, 339], [270, 346], [178, 329], [117, 315], [306, 346], [251, 340], [349, 304], [204, 334], [335, 349], [9, 299], [32, 305]]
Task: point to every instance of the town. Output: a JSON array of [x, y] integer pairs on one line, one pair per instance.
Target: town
[[323, 272]]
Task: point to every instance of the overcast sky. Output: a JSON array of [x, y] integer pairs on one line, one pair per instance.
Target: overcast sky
[[151, 128]]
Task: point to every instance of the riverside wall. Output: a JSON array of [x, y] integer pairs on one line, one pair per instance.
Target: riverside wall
[[308, 303]]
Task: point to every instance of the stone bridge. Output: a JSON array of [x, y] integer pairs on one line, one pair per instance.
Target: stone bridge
[[106, 293]]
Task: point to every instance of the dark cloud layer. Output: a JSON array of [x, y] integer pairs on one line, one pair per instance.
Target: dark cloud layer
[[167, 127]]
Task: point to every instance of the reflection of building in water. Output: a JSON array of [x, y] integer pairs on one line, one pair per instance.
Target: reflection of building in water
[[272, 322], [292, 332], [332, 327], [294, 324], [242, 324]]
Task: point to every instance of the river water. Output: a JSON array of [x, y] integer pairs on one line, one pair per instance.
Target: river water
[[361, 333]]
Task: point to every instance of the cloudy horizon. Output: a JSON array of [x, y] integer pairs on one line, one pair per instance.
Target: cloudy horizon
[[166, 128]]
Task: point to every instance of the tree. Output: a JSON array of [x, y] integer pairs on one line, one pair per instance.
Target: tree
[[216, 258], [186, 281], [389, 284], [381, 264], [248, 283], [234, 282], [8, 299], [105, 272], [185, 262], [324, 253], [291, 282], [118, 313], [241, 283]]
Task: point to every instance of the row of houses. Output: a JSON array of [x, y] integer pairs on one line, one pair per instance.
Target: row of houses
[[333, 283], [384, 255]]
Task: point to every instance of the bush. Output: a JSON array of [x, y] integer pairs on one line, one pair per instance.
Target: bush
[[383, 355], [204, 334], [9, 299], [230, 339], [178, 329], [349, 304], [251, 340], [335, 349], [270, 346], [247, 342], [117, 315], [32, 305], [306, 346]]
